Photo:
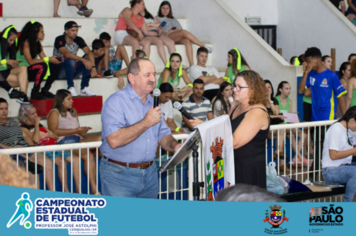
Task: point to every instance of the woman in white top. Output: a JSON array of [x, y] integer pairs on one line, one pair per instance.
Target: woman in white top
[[160, 41], [339, 147], [222, 104], [63, 121]]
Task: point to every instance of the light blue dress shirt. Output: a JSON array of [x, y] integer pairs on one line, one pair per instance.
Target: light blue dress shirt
[[124, 109]]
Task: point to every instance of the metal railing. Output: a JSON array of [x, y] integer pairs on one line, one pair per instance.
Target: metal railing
[[176, 183]]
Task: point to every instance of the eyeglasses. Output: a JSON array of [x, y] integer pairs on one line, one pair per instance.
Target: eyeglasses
[[237, 87]]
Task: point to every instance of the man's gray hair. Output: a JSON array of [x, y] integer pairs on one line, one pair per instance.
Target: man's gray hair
[[24, 110], [134, 67], [247, 193]]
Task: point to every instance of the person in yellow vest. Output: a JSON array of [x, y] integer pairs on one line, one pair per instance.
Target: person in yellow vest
[[11, 74]]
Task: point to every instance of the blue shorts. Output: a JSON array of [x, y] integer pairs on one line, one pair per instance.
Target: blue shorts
[[115, 65], [58, 154]]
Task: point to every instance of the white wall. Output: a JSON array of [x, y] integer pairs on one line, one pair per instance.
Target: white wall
[[306, 23], [266, 9], [232, 33]]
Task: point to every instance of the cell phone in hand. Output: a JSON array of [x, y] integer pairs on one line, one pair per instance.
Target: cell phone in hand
[[59, 59], [162, 24], [204, 73], [173, 28]]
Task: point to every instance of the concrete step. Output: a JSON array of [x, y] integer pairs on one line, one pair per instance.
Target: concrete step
[[44, 8], [53, 27]]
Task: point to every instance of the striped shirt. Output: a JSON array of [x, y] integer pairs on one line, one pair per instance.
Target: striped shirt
[[11, 134], [197, 110]]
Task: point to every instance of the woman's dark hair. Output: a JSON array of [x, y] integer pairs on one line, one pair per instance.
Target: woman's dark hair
[[324, 57], [349, 114], [292, 59], [220, 97], [170, 14], [280, 86], [5, 48], [148, 15], [2, 100], [234, 55], [269, 82], [29, 33], [343, 67], [301, 58], [58, 103], [166, 88], [134, 2], [140, 53], [173, 55]]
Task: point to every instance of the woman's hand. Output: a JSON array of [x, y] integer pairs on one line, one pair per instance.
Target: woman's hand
[[82, 131], [140, 36], [12, 63], [195, 122]]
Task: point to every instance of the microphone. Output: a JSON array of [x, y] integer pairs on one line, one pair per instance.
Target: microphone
[[156, 93], [179, 107]]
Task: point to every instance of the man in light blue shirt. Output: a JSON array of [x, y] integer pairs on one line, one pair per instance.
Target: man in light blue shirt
[[132, 130]]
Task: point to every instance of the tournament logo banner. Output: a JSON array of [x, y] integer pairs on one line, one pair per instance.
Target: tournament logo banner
[[216, 136]]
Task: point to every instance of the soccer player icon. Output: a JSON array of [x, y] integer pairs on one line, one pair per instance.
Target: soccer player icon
[[24, 207]]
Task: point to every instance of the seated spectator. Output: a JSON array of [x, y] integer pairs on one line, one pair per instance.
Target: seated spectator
[[42, 136], [113, 59], [83, 10], [351, 10], [210, 75], [11, 136], [44, 68], [120, 73], [11, 74], [222, 103], [327, 61], [236, 64], [173, 73], [165, 103], [286, 106], [98, 50], [63, 121], [161, 40], [351, 57], [197, 105], [66, 46], [337, 153], [174, 30], [340, 5], [351, 95], [131, 21], [344, 77]]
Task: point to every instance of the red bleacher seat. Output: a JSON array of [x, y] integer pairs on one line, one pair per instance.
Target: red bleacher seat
[[83, 105]]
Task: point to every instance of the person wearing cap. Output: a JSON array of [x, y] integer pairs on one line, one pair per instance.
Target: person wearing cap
[[210, 75], [11, 74], [132, 130], [67, 46]]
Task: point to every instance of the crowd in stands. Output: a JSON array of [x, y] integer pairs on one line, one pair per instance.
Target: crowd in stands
[[207, 93]]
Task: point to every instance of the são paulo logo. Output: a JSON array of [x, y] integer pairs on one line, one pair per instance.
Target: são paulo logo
[[326, 216], [275, 217]]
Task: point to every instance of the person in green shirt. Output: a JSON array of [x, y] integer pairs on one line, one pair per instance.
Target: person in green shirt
[[44, 68], [172, 74], [236, 64], [286, 106], [351, 87], [11, 74]]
